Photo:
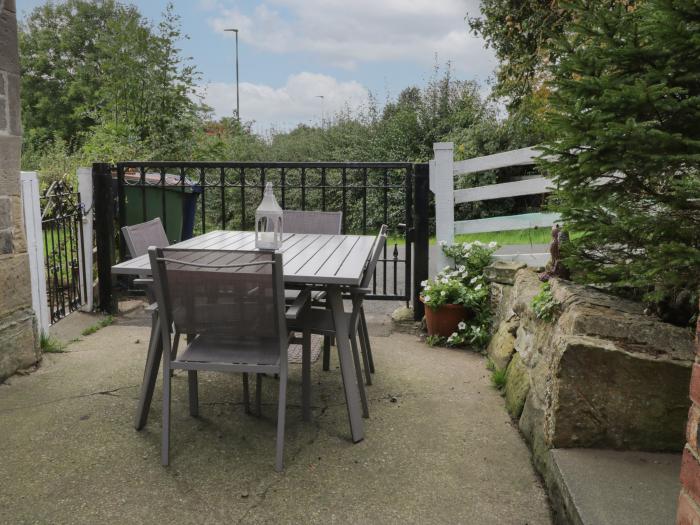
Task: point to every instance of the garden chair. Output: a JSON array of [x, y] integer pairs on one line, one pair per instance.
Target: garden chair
[[322, 222], [139, 237], [317, 320], [234, 302]]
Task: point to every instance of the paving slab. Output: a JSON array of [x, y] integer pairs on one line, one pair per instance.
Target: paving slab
[[608, 487], [439, 447]]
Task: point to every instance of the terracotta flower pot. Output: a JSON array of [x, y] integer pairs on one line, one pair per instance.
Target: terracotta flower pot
[[444, 320]]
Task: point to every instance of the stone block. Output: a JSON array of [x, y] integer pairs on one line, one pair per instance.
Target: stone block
[[19, 239], [6, 242], [5, 212], [14, 283], [13, 111], [502, 344], [10, 149], [500, 296], [503, 271], [517, 386], [600, 395], [9, 58], [18, 344]]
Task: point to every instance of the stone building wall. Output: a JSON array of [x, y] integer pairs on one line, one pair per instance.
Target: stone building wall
[[689, 501], [18, 345]]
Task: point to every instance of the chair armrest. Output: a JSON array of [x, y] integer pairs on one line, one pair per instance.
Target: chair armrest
[[360, 291], [153, 307], [300, 304]]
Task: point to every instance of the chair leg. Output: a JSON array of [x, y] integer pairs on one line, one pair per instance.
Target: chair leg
[[281, 412], [246, 393], [326, 353], [365, 354], [358, 371], [194, 392], [258, 394], [165, 444], [306, 376], [173, 351], [365, 335]]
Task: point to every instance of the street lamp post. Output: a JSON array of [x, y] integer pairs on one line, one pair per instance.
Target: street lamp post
[[238, 102], [323, 99]]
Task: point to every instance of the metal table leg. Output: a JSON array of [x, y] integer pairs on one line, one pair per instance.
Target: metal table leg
[[150, 373], [347, 367]]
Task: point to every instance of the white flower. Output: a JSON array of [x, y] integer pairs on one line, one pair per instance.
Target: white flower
[[465, 275], [453, 336], [444, 280], [493, 244], [446, 268], [462, 325], [477, 287], [426, 289], [478, 243], [427, 298], [424, 283], [461, 268], [443, 293], [467, 246], [443, 243], [474, 279]]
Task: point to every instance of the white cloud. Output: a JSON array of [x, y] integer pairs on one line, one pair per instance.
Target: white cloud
[[288, 105], [348, 32]]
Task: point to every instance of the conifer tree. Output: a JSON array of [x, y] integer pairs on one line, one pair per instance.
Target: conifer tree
[[625, 122]]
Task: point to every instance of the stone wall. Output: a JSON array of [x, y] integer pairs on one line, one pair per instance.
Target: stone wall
[[602, 374], [689, 501], [18, 345]]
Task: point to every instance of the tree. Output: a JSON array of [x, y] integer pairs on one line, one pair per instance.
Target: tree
[[625, 107], [87, 63]]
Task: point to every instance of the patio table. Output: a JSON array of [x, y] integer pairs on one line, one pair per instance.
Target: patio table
[[333, 262]]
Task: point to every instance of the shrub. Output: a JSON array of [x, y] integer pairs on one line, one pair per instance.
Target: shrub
[[544, 304], [625, 106]]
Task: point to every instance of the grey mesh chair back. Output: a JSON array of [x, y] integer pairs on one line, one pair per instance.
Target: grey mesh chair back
[[222, 294], [327, 222], [140, 236], [377, 248]]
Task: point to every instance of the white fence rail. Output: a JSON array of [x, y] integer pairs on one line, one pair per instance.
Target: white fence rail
[[443, 170]]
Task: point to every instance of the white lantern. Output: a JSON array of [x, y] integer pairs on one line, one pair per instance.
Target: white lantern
[[268, 222]]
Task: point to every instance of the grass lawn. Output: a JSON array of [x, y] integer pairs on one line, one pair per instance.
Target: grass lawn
[[529, 236]]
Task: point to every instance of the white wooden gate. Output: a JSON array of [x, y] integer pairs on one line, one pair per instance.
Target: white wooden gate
[[443, 170]]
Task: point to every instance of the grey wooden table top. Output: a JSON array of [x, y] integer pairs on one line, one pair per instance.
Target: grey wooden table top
[[307, 258]]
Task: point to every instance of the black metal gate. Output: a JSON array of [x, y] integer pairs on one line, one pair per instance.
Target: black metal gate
[[62, 229], [224, 195]]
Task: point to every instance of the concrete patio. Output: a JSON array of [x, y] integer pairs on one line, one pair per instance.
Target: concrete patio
[[439, 445]]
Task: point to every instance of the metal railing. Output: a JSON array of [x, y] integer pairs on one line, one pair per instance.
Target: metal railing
[[62, 230]]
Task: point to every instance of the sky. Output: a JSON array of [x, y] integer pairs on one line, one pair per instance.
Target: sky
[[293, 52]]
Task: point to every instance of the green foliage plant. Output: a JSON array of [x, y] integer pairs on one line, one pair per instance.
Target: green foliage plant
[[106, 321], [498, 378], [51, 345], [545, 305], [463, 284]]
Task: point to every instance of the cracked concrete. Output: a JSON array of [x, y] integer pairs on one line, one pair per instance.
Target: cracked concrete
[[439, 447]]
